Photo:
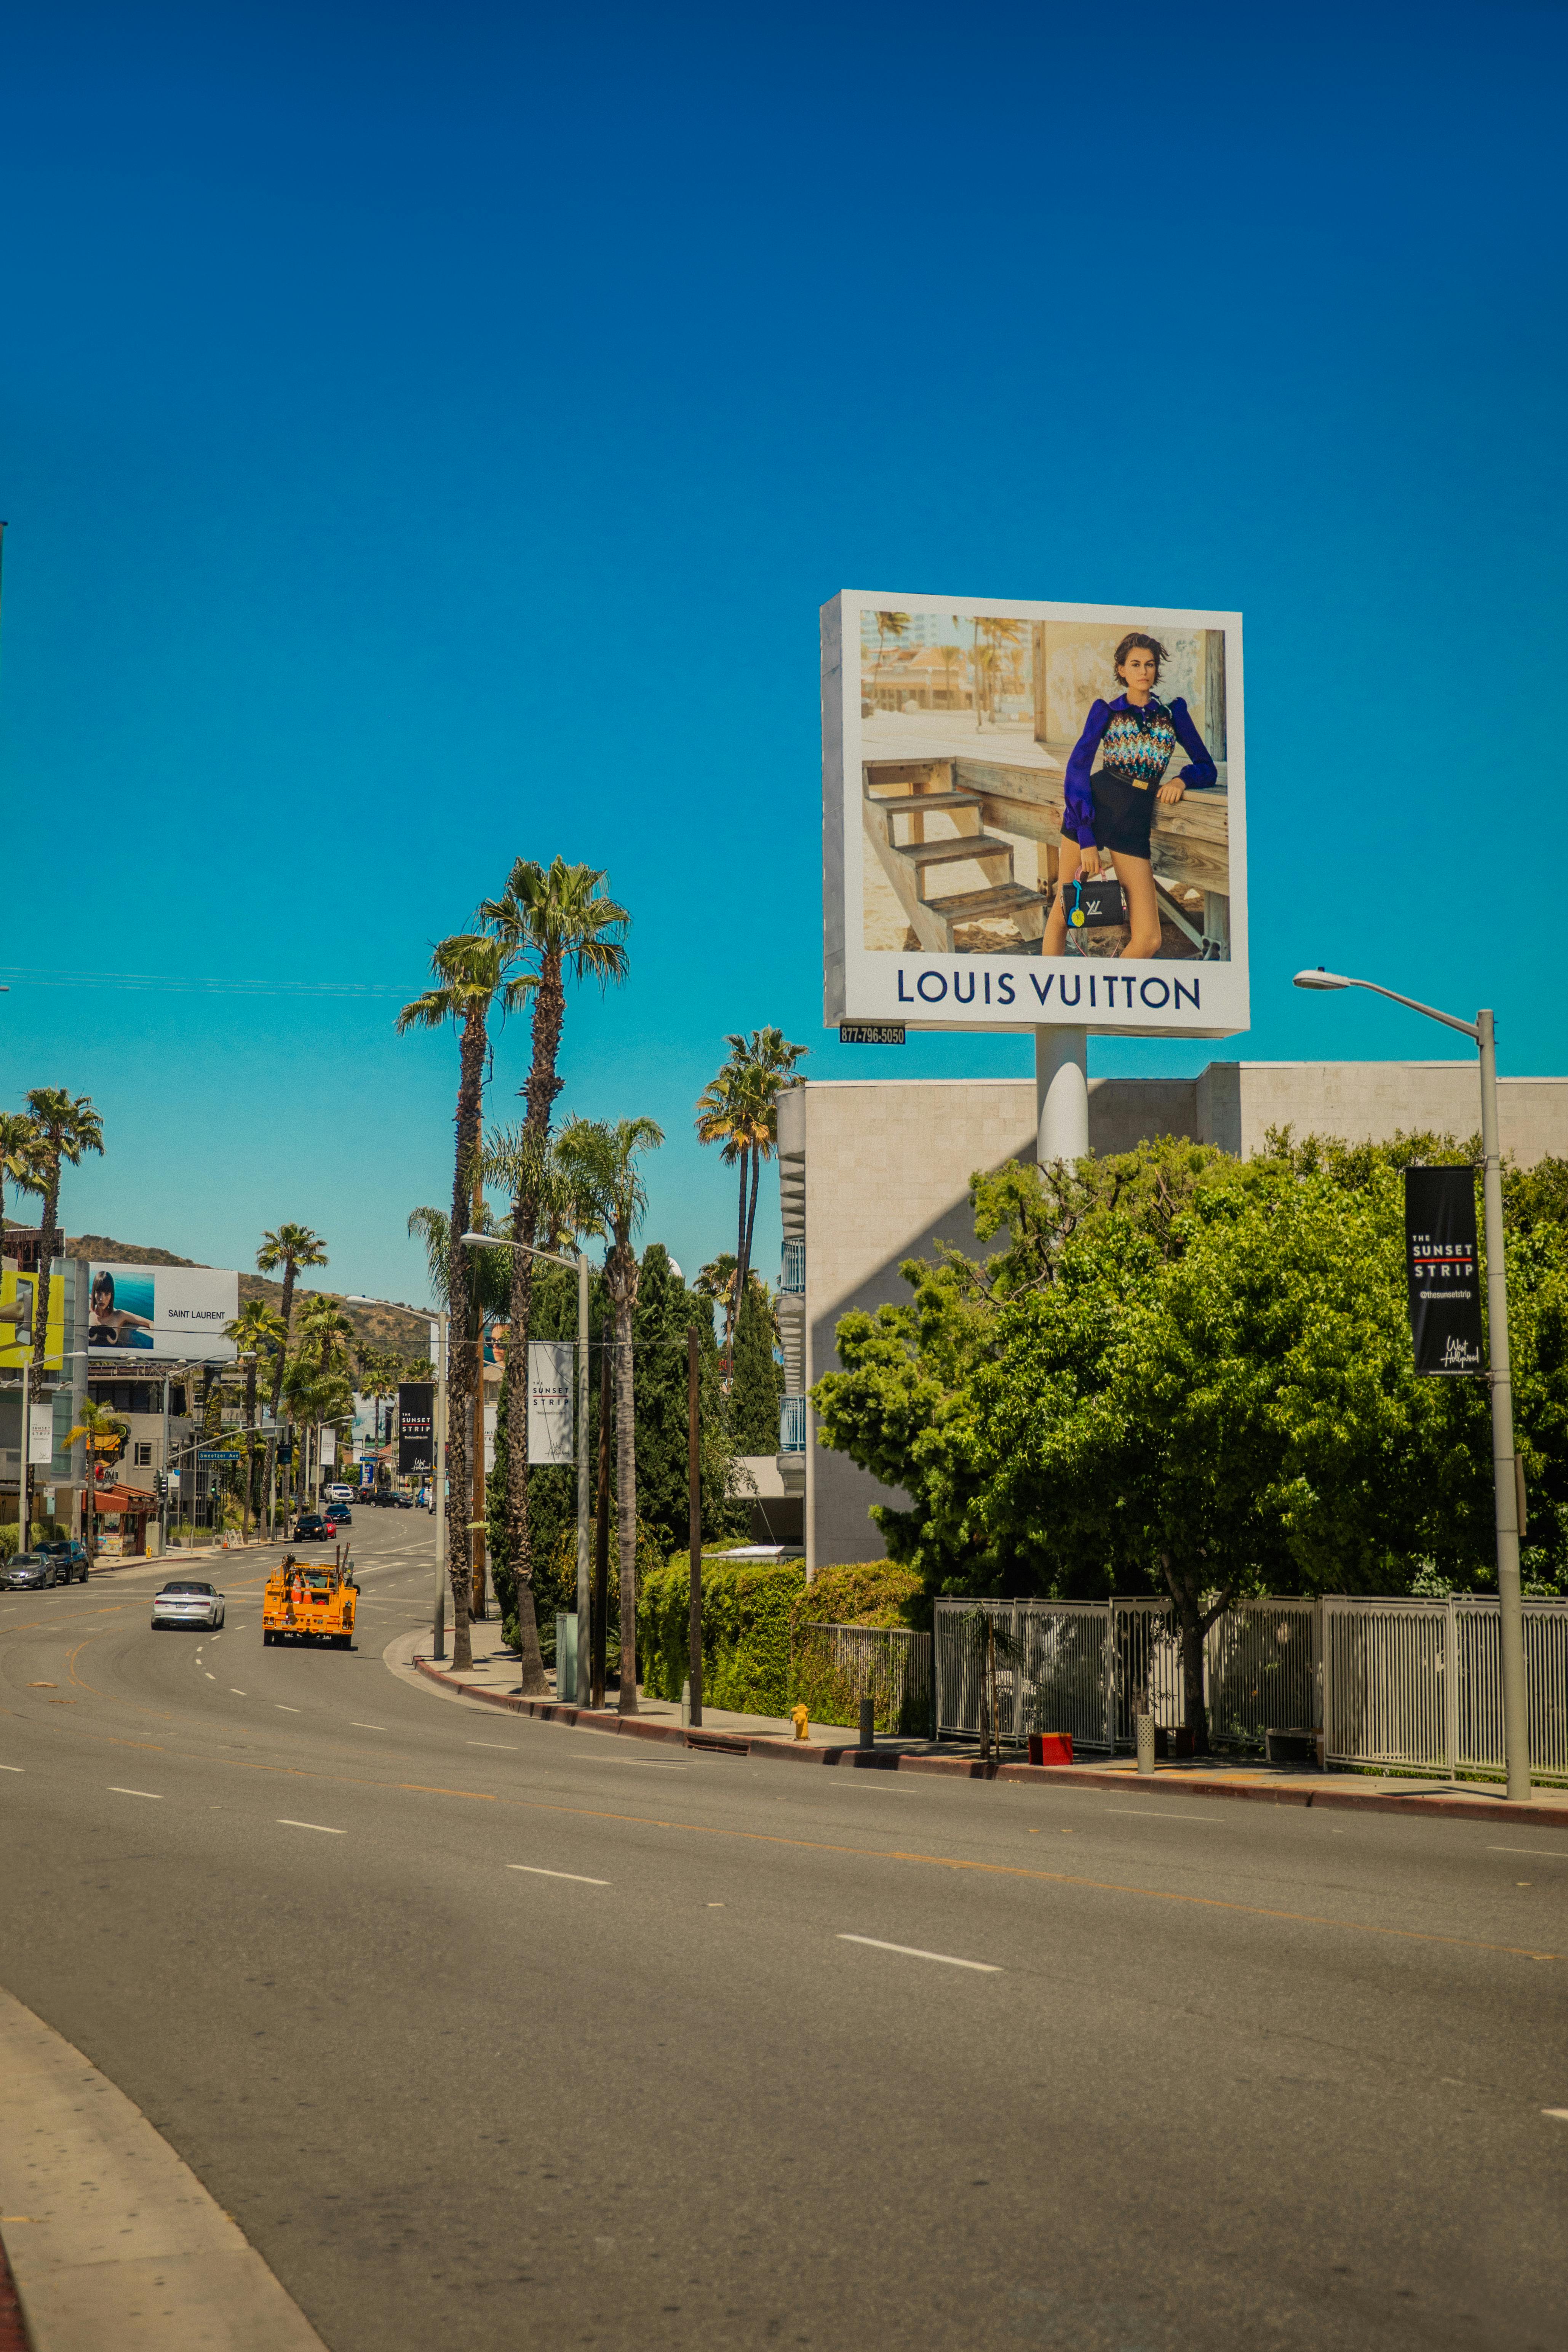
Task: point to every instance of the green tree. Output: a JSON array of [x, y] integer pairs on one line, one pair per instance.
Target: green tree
[[473, 972], [258, 1330], [21, 1157], [602, 1164], [290, 1247], [104, 1434], [757, 1382], [738, 1109], [1191, 1375], [562, 923], [665, 1310]]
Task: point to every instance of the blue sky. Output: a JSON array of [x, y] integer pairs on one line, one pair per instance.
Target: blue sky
[[427, 435]]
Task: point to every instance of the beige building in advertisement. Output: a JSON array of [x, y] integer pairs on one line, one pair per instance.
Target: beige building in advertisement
[[873, 1171]]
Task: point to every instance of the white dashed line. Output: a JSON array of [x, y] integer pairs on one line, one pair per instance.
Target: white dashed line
[[13, 1767], [284, 1710], [1156, 1813], [1536, 1854], [912, 1952], [355, 1725], [114, 1792], [574, 1876], [1559, 2115], [503, 1746], [233, 1694], [320, 1827]]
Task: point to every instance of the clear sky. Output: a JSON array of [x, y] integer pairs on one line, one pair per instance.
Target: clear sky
[[428, 434]]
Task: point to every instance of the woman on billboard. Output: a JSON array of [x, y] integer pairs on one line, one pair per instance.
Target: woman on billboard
[[1111, 807]]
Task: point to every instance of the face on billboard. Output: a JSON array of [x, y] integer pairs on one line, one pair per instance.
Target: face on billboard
[[162, 1310], [1034, 814]]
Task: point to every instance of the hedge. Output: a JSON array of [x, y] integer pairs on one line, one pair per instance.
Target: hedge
[[746, 1618], [865, 1593]]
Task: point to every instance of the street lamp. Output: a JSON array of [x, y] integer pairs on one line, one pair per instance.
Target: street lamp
[[495, 1241], [1510, 1608]]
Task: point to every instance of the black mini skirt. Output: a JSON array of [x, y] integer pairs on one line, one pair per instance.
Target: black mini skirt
[[1124, 812]]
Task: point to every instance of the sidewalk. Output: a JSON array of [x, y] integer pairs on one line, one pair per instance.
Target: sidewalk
[[493, 1678]]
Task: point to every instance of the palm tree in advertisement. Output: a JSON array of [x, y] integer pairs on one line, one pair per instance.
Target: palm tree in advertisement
[[602, 1162], [888, 625], [560, 920], [994, 643], [950, 656], [472, 972], [290, 1247], [257, 1330]]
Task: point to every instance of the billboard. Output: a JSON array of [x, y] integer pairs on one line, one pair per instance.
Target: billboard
[[1033, 813], [162, 1310], [15, 1286], [415, 1425]]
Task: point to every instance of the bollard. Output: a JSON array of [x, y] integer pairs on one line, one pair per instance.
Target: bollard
[[686, 1700], [1144, 1725], [867, 1722]]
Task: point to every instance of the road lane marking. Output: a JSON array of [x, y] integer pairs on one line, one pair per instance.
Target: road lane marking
[[284, 1710], [633, 1763], [356, 1725], [13, 1767], [235, 1694], [1560, 2113], [1536, 1853], [504, 1746], [1156, 1813], [574, 1876], [320, 1827], [212, 1678], [115, 1791], [914, 1952]]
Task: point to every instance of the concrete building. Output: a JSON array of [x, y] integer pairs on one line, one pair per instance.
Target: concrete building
[[874, 1171]]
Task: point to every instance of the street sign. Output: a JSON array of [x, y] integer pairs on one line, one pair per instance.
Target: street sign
[[217, 1454], [1443, 1270]]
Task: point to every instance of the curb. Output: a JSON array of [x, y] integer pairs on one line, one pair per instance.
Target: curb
[[960, 1768], [13, 2333]]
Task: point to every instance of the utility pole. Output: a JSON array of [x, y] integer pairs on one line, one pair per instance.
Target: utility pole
[[584, 1399], [602, 1527], [694, 1516], [477, 1450], [438, 1633]]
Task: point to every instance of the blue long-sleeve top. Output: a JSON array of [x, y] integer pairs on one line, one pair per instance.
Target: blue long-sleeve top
[[1153, 727]]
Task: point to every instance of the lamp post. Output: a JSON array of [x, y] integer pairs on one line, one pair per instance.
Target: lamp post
[[1510, 1607], [495, 1241]]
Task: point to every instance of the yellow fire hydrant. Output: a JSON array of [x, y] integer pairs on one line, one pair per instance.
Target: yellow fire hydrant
[[799, 1718]]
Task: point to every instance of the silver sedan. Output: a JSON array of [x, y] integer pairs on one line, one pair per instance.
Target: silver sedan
[[187, 1604]]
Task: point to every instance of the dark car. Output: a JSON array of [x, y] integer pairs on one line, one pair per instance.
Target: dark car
[[339, 1514], [310, 1528], [68, 1555], [400, 1501], [387, 1498], [29, 1571]]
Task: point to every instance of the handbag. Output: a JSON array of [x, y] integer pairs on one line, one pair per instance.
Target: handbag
[[1093, 902]]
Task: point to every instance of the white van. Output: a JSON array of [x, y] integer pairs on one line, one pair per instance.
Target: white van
[[341, 1494]]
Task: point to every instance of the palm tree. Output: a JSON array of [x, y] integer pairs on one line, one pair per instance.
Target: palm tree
[[290, 1247], [739, 1109], [888, 625], [21, 1161], [544, 1192], [602, 1162], [104, 1433], [257, 1330], [471, 972], [66, 1126], [951, 656], [558, 919]]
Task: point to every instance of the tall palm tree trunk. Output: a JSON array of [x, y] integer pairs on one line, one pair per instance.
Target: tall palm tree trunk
[[744, 1266], [540, 1093], [627, 1503], [460, 1377], [732, 1307]]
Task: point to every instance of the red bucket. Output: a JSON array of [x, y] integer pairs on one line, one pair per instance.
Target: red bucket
[[1050, 1746]]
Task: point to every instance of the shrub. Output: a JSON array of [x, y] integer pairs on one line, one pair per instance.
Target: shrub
[[865, 1593], [746, 1616]]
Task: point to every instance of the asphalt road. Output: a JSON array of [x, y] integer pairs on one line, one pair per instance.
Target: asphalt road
[[490, 2032]]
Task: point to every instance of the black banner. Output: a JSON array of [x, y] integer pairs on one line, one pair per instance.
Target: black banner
[[1443, 1267], [415, 1416]]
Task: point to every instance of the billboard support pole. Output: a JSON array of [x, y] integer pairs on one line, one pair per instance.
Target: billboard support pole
[[1061, 1092], [1511, 1606]]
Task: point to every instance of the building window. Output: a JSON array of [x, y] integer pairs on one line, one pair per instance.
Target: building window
[[144, 1453]]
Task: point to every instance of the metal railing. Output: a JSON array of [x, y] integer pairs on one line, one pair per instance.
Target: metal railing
[[792, 1424], [1412, 1685], [833, 1667]]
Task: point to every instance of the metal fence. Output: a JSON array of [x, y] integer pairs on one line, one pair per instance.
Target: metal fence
[[834, 1667], [1414, 1685]]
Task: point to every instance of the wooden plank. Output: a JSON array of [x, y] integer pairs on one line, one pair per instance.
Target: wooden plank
[[962, 847], [1190, 842]]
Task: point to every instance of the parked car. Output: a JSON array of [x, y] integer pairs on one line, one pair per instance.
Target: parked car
[[69, 1554], [400, 1501], [29, 1571], [187, 1604], [310, 1528], [339, 1514], [385, 1498]]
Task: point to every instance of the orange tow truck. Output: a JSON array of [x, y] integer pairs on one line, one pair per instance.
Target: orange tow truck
[[311, 1604]]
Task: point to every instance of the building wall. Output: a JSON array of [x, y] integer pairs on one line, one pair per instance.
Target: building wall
[[886, 1163]]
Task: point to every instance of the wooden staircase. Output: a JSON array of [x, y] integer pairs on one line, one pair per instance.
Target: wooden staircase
[[927, 837]]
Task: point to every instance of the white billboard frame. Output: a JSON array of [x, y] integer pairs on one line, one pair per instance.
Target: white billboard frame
[[190, 1308], [926, 989]]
